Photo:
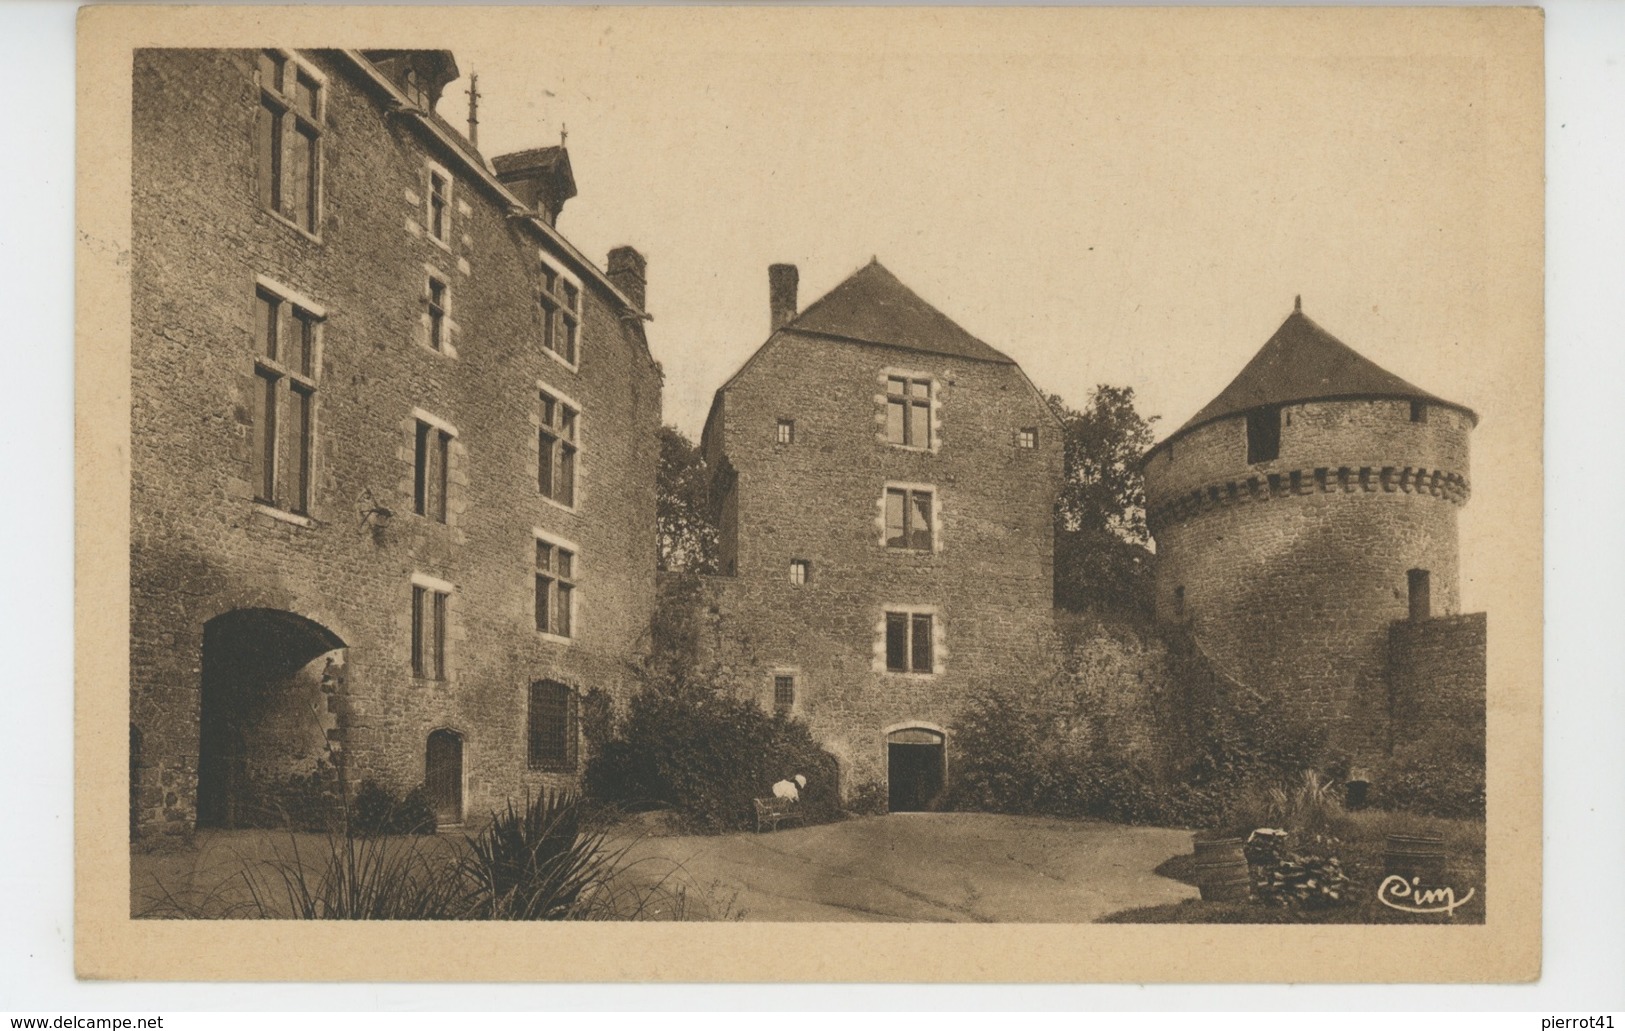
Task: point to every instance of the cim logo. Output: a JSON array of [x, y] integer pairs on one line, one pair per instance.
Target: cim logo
[[1396, 892]]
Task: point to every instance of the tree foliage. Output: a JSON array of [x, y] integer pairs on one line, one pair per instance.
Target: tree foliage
[[1102, 553], [687, 533]]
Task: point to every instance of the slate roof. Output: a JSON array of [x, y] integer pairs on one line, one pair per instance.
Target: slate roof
[[873, 306], [1303, 362]]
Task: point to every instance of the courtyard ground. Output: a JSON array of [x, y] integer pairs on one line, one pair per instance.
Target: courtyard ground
[[902, 867], [925, 867]]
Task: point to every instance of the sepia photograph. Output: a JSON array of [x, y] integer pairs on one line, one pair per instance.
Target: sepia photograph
[[1072, 471]]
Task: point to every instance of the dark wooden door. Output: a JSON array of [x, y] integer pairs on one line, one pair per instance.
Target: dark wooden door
[[915, 770], [443, 776]]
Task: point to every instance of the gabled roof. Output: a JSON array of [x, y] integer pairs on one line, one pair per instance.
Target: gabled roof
[[873, 306], [1303, 362], [552, 162]]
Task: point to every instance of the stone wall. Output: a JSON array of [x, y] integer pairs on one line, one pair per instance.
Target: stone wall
[[1437, 678], [1290, 572], [987, 580], [202, 546]]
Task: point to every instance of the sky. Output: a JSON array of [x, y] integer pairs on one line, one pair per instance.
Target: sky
[[1105, 198]]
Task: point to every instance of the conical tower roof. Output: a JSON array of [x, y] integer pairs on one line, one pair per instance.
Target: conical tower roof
[[1303, 362], [873, 306]]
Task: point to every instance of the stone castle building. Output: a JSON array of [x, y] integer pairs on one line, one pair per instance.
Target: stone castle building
[[1305, 523], [885, 487], [393, 442]]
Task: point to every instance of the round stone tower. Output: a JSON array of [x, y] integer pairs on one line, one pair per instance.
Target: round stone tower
[[1300, 514]]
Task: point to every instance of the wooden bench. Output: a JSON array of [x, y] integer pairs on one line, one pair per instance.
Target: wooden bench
[[773, 810]]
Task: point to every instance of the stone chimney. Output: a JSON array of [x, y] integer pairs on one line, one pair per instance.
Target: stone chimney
[[627, 270], [781, 295]]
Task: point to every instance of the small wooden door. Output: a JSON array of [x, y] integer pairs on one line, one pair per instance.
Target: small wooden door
[[916, 769], [443, 776]]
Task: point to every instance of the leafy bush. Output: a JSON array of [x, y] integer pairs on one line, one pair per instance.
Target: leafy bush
[[377, 810], [1026, 751], [1435, 781], [869, 799], [707, 754]]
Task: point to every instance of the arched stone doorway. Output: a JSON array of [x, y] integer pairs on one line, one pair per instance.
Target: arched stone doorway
[[265, 712], [916, 769], [443, 776]]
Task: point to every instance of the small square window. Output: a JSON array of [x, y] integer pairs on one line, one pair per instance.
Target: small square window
[[800, 571], [787, 431], [1027, 438]]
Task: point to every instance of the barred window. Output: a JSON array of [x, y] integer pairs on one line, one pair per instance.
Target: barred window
[[554, 726]]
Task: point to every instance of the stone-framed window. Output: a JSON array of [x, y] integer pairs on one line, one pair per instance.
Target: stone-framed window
[[558, 446], [437, 311], [431, 604], [910, 517], [557, 567], [438, 200], [288, 138], [1027, 438], [784, 692], [553, 727], [785, 433], [909, 410], [910, 643], [287, 358], [559, 299], [800, 571], [431, 466]]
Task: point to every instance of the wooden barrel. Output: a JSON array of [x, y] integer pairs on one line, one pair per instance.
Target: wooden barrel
[[1221, 870], [1415, 855]]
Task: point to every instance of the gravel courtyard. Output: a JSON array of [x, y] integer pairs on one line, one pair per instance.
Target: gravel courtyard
[[926, 867], [903, 867]]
